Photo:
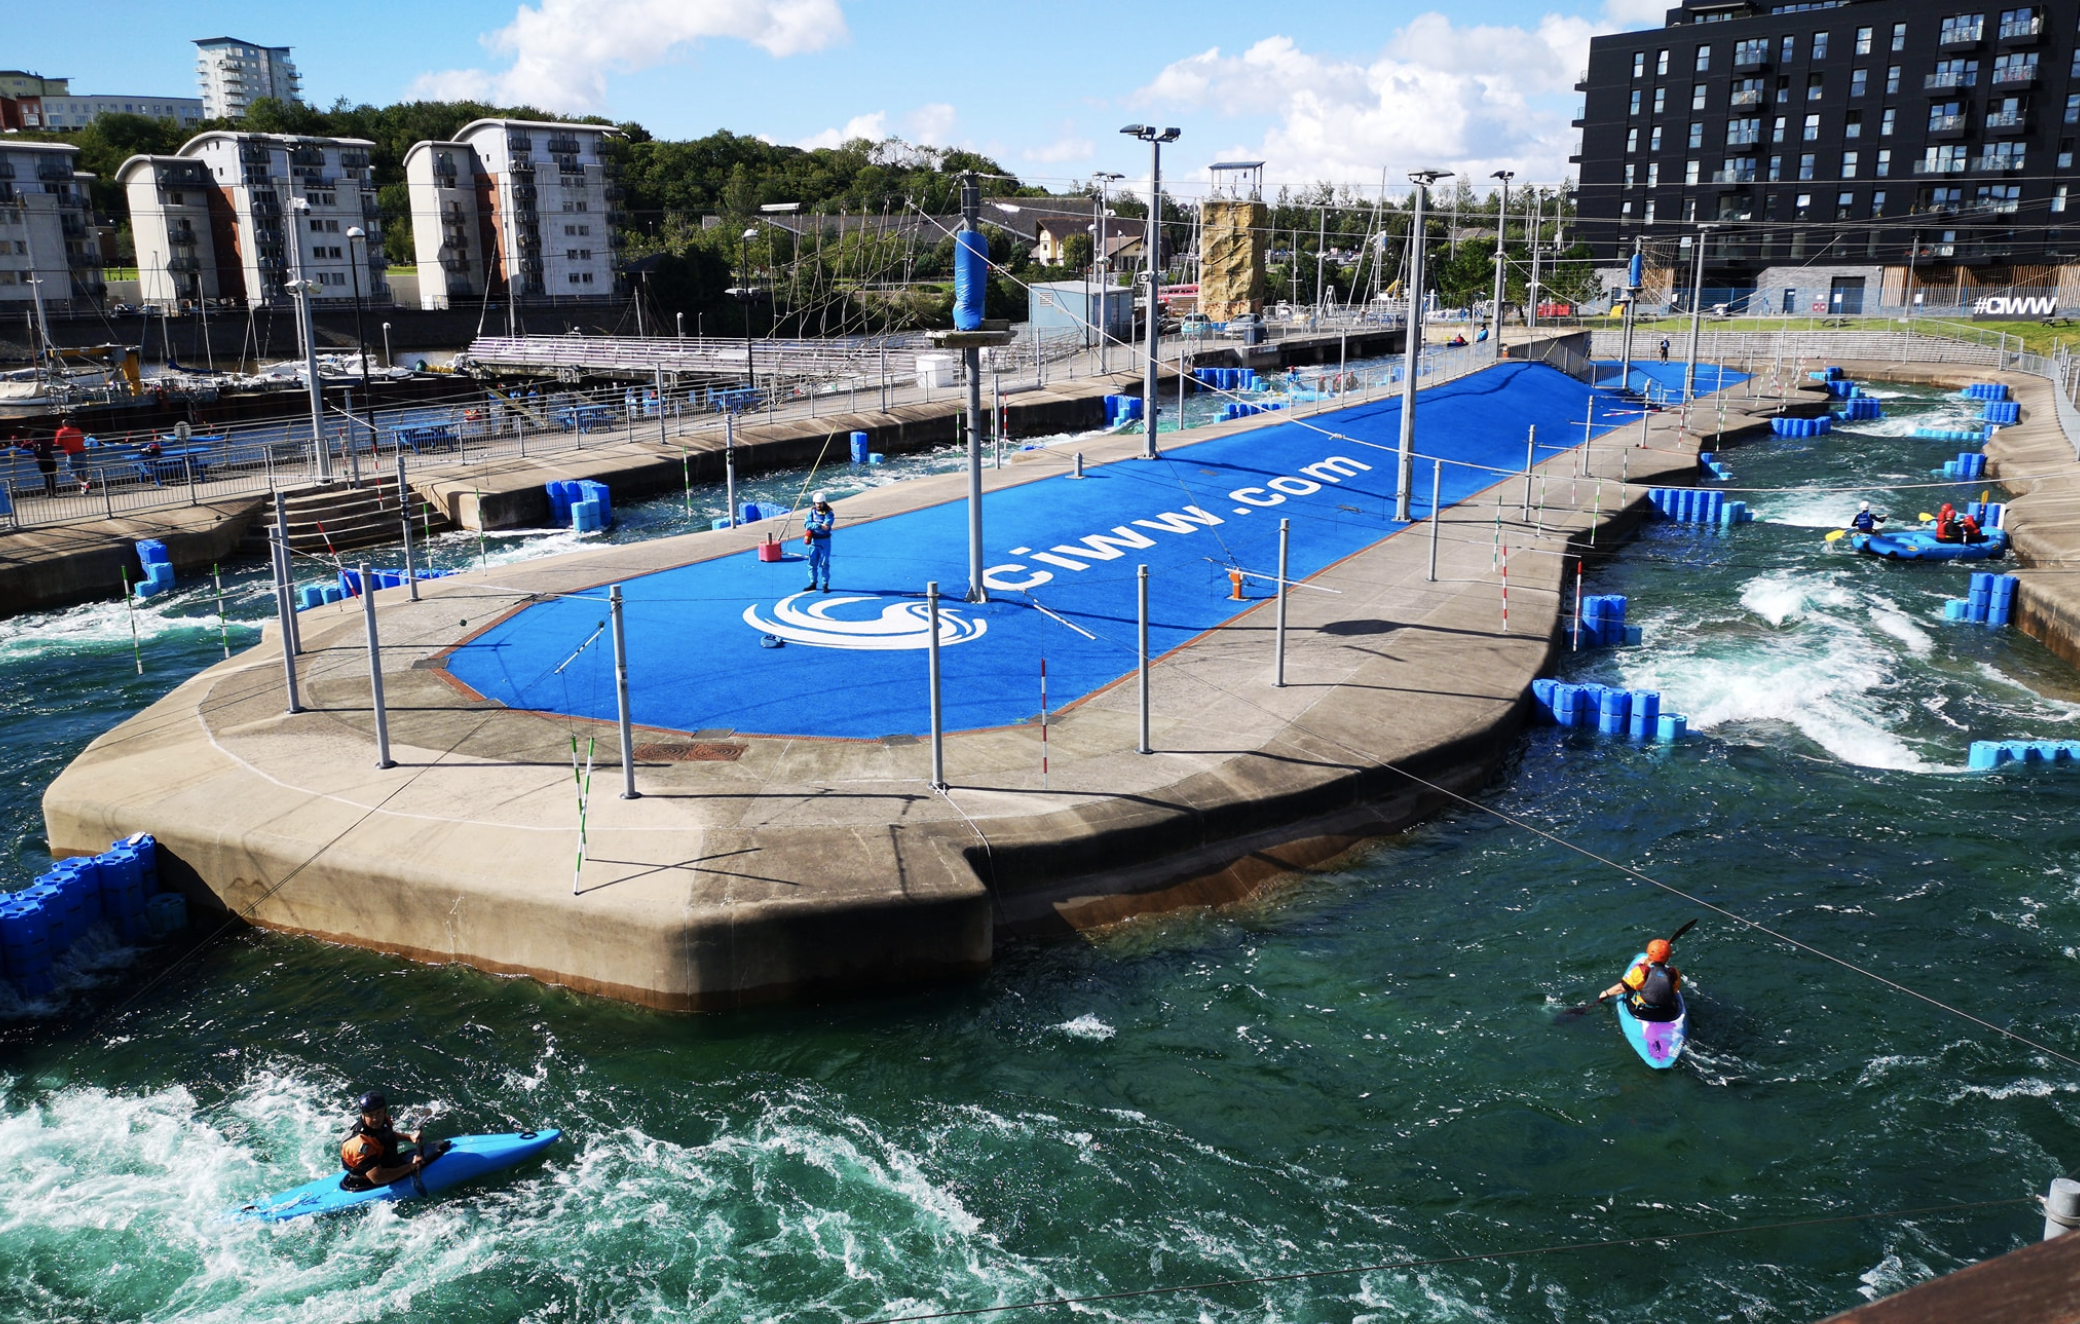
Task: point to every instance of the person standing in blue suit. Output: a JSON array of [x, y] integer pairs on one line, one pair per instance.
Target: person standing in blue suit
[[817, 530]]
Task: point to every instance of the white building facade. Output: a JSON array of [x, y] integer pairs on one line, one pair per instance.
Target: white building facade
[[234, 74], [47, 246], [516, 208], [237, 215], [73, 111]]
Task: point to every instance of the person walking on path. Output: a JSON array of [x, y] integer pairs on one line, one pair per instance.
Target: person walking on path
[[817, 531], [46, 452], [74, 443], [1664, 349]]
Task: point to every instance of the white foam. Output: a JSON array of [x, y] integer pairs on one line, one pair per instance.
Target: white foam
[[93, 626], [1087, 1026]]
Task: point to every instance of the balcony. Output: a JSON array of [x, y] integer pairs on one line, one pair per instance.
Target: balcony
[[2008, 121], [6, 169], [183, 237], [355, 160], [1747, 97], [522, 172], [531, 265], [1948, 126], [1950, 78], [73, 227], [1749, 63], [614, 192], [1961, 38], [85, 261], [1747, 176], [561, 146], [53, 172], [2022, 31], [371, 210], [525, 194], [1949, 165], [1998, 165], [184, 262], [528, 241], [182, 177], [519, 142], [254, 154], [2016, 75]]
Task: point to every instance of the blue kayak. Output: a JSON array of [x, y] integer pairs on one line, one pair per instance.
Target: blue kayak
[[462, 1159], [1921, 545], [1658, 1043]]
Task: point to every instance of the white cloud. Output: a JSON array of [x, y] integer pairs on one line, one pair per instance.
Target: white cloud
[[563, 50], [872, 127], [931, 125], [1473, 98], [1068, 147]]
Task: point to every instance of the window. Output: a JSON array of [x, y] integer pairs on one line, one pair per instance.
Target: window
[[1661, 64], [1751, 52], [1654, 139], [1953, 73], [1805, 166], [1649, 216], [1689, 209], [1849, 165], [1802, 209], [1813, 89], [1776, 130], [1863, 41], [1811, 133], [1631, 140], [1819, 45], [1884, 166], [1639, 64], [1776, 169], [1892, 78], [2003, 156], [1878, 203], [1843, 205], [1948, 159], [1962, 28], [319, 226], [1743, 133], [1697, 94], [1736, 170], [1631, 175], [1944, 116], [1653, 174], [1625, 210], [574, 278], [2017, 67], [2058, 199], [1704, 58], [1690, 174], [1886, 121], [332, 227], [1696, 135], [1660, 100], [2065, 154], [1859, 82], [1789, 51], [2021, 22], [1852, 127], [1746, 92], [2000, 199], [2073, 108], [1635, 101]]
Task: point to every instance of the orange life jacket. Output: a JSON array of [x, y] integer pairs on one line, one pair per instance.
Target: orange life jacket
[[367, 1148]]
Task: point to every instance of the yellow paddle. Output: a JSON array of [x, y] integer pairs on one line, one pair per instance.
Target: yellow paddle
[[1837, 535]]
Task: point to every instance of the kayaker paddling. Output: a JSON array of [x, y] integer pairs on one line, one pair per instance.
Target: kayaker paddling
[[1651, 987], [371, 1152]]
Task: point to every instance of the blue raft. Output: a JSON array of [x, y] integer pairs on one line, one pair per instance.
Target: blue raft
[[1658, 1043], [1921, 545], [464, 1159]]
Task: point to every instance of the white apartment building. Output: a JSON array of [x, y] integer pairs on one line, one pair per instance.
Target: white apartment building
[[516, 207], [235, 215], [234, 74], [46, 244]]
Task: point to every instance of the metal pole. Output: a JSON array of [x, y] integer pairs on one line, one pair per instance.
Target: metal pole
[[1530, 463], [931, 601], [628, 740], [389, 360], [1501, 263], [1696, 295], [660, 407], [281, 525], [971, 357], [1436, 511], [729, 465], [375, 668], [1631, 305], [404, 518], [1154, 243], [285, 612], [1141, 579], [1412, 349], [1285, 536]]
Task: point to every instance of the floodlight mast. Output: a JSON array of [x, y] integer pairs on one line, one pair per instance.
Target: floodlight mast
[[1412, 344]]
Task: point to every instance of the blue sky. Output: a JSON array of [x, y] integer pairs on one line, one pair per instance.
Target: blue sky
[[1332, 90]]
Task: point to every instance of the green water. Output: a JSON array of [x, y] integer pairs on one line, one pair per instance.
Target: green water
[[1366, 1066]]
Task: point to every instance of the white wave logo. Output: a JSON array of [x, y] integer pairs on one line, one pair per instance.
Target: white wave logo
[[898, 625]]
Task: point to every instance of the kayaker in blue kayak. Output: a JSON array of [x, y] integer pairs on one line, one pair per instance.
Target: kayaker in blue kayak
[[1650, 986], [1865, 521], [370, 1152]]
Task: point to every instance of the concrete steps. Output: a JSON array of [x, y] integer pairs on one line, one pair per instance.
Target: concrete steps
[[336, 517]]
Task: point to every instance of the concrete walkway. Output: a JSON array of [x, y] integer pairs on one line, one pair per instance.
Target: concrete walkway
[[761, 868]]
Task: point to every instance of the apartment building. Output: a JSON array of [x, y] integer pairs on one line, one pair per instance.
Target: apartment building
[[1835, 155], [234, 74], [31, 101], [516, 208], [236, 215], [46, 244]]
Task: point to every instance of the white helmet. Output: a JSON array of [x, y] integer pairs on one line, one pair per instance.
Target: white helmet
[[820, 498], [1866, 506]]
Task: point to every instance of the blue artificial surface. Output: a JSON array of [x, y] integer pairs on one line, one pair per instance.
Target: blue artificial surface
[[1667, 378], [696, 660]]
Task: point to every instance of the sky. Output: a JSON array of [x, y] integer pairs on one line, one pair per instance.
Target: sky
[[1333, 91]]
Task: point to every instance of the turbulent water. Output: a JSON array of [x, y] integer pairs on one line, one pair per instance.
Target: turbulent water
[[1366, 1067]]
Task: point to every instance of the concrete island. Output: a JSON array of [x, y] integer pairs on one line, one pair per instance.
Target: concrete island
[[787, 841]]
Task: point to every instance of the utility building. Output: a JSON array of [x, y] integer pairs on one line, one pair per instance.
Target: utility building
[[516, 208], [1836, 157], [238, 215], [46, 247]]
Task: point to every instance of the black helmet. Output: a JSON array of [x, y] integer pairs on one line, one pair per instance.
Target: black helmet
[[374, 1102]]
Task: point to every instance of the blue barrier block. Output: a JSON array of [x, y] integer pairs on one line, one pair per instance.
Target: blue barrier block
[[1671, 726], [1645, 721], [1984, 756]]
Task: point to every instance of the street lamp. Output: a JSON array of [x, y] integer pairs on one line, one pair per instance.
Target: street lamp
[[744, 294], [302, 291], [1101, 266], [1696, 313], [1412, 344], [1155, 138], [1501, 263], [357, 235]]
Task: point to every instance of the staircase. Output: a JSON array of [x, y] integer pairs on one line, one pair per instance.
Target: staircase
[[335, 517]]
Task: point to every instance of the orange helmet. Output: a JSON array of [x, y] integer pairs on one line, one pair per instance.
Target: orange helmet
[[1657, 950]]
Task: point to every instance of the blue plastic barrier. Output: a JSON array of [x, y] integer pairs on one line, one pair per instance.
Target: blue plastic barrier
[[1610, 709]]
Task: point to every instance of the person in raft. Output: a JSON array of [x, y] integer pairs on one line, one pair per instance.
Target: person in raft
[[1953, 527], [370, 1153], [1865, 522], [816, 531], [1650, 986]]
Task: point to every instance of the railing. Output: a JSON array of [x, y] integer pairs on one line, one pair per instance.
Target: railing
[[2006, 119], [1998, 164], [1946, 123], [1750, 97], [563, 146], [1954, 165], [2016, 29], [2015, 74], [1733, 177], [1949, 78]]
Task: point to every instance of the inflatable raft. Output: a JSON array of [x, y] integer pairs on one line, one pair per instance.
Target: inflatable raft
[[1921, 545]]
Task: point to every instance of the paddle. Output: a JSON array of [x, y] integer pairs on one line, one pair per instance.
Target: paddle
[[1837, 535], [1591, 1006]]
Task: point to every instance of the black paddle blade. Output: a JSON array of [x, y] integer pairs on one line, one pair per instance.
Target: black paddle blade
[[1680, 932]]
